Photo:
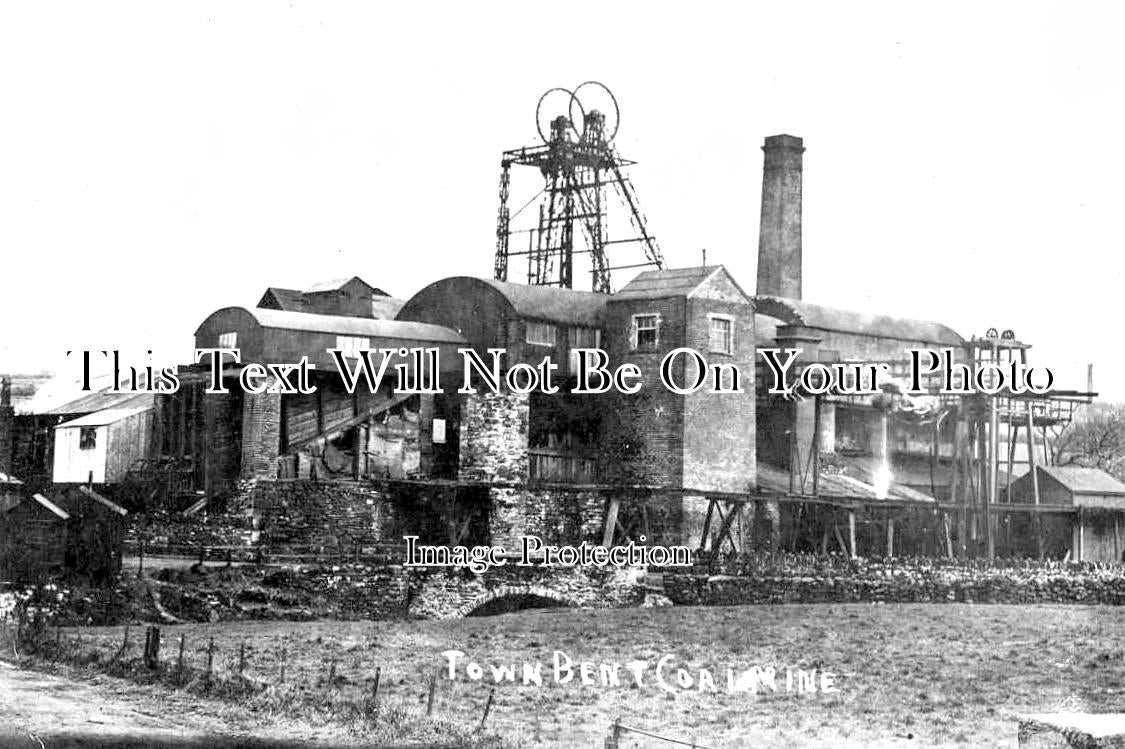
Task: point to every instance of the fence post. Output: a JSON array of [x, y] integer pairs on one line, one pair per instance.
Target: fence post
[[210, 657], [180, 659], [487, 707], [241, 657], [282, 679], [430, 700], [124, 644], [152, 648], [614, 737], [375, 685]]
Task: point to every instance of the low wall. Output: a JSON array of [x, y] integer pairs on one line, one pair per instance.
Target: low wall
[[384, 591], [440, 594], [809, 579]]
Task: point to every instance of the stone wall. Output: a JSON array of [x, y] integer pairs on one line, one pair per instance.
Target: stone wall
[[556, 514], [811, 579], [329, 514], [493, 434], [440, 594]]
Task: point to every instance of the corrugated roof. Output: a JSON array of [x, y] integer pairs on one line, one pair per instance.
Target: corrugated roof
[[797, 312], [657, 284], [774, 480], [552, 303], [102, 400], [385, 307], [356, 326], [1082, 480], [101, 418]]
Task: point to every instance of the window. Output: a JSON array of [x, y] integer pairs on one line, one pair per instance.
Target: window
[[582, 338], [228, 340], [541, 333], [722, 334], [585, 338], [646, 329], [352, 345], [87, 438]]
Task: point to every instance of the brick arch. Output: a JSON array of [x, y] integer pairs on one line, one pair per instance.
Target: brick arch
[[505, 591]]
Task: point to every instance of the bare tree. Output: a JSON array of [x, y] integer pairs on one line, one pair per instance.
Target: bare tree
[[1096, 439]]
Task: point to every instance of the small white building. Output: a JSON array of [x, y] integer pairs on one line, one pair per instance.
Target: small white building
[[101, 446]]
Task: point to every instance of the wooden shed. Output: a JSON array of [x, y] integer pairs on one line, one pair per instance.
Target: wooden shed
[[100, 447], [77, 531], [33, 532], [1098, 500]]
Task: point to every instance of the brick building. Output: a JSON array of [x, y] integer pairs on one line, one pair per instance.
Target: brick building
[[730, 470]]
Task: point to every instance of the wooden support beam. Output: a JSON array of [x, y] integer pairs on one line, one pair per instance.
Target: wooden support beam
[[840, 539], [1036, 521], [948, 535], [851, 533], [1081, 535], [890, 536], [724, 530], [1117, 537], [705, 537], [610, 521]]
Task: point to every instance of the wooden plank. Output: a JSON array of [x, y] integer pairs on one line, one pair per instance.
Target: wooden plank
[[1036, 524], [1117, 537], [851, 532], [724, 530], [705, 536], [610, 522], [1081, 535], [840, 539]]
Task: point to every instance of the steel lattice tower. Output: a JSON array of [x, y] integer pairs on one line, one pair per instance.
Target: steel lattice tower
[[580, 168]]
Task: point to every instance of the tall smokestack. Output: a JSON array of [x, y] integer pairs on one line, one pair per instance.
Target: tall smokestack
[[779, 235]]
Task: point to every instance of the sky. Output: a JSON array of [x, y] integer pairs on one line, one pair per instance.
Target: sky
[[964, 161]]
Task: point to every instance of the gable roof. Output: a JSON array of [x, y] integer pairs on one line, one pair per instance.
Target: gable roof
[[335, 284], [291, 300], [102, 400], [103, 417], [1083, 480], [660, 284], [798, 312]]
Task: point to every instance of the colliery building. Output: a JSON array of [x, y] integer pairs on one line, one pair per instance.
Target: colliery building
[[720, 472]]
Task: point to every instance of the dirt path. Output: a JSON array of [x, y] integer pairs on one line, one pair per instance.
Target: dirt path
[[40, 711]]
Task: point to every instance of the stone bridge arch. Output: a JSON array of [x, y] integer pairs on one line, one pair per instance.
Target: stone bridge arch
[[512, 591]]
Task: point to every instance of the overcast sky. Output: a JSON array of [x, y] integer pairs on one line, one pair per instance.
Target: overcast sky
[[964, 161]]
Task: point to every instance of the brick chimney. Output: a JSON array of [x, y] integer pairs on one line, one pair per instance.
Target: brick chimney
[[779, 234]]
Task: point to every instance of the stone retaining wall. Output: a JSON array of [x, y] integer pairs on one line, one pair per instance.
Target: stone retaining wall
[[806, 579]]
